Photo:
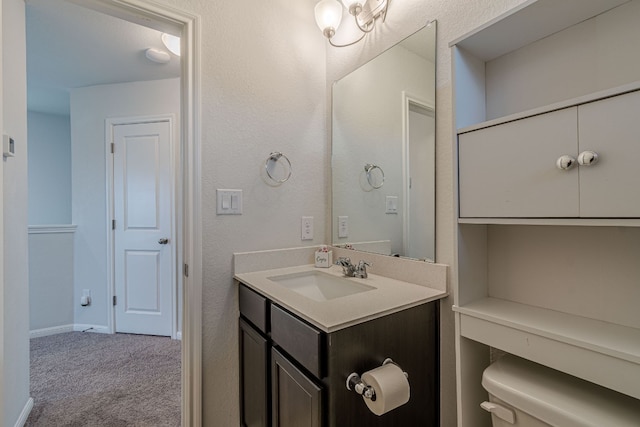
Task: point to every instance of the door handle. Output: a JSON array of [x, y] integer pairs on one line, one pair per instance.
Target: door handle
[[163, 241]]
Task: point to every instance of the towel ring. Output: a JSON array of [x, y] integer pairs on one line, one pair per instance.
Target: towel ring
[[368, 168], [275, 157]]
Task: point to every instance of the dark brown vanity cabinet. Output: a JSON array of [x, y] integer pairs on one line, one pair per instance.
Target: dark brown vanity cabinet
[[293, 375]]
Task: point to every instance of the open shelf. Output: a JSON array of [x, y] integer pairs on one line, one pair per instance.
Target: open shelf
[[601, 352]]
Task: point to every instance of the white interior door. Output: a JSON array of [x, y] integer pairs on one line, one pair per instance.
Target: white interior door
[[143, 246]]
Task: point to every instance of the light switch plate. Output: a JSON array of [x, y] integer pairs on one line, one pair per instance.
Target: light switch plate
[[228, 202]]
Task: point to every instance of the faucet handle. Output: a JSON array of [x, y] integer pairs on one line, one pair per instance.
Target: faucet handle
[[361, 270], [343, 261]]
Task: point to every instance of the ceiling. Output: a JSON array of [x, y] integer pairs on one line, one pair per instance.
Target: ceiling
[[70, 46]]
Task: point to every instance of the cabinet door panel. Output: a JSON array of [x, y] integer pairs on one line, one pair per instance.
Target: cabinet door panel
[[510, 170], [254, 365], [611, 127], [296, 399]]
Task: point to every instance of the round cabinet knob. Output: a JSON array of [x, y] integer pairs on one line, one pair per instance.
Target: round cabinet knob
[[587, 158], [565, 162], [163, 241]]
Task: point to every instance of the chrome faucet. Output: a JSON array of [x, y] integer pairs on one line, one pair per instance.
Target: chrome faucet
[[351, 270]]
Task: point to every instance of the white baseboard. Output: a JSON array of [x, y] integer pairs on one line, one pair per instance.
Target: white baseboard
[[36, 333], [50, 331], [91, 328], [22, 419]]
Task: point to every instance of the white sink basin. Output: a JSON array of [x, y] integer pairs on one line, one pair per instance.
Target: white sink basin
[[320, 286]]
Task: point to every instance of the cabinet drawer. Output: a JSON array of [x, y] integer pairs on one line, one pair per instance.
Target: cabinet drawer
[[301, 341], [253, 306]]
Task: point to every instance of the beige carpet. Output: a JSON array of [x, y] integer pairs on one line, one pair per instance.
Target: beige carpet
[[89, 379]]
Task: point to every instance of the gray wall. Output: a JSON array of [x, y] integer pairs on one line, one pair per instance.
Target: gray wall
[[51, 295], [49, 169]]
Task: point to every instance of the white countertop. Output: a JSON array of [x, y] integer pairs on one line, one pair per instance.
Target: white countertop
[[389, 296]]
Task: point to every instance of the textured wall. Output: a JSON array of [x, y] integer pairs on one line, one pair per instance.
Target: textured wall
[[49, 169]]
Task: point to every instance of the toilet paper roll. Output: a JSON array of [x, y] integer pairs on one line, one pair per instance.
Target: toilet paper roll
[[391, 387]]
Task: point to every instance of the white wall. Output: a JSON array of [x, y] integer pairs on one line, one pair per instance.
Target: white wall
[[49, 168], [90, 106], [455, 18], [15, 332]]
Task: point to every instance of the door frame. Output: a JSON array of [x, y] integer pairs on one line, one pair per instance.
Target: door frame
[[175, 201], [169, 19], [407, 100]]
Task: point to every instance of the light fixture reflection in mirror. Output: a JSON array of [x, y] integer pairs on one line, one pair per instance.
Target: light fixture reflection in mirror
[[384, 114]]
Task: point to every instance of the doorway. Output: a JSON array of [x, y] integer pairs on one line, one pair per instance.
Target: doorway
[[419, 173], [186, 236]]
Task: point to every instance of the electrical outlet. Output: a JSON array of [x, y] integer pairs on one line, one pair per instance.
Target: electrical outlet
[[343, 226], [306, 233], [392, 205]]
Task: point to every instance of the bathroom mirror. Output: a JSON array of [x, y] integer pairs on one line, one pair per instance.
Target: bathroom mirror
[[383, 151]]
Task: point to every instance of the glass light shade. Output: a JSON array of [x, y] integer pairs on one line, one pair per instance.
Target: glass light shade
[[349, 3], [328, 14], [172, 43]]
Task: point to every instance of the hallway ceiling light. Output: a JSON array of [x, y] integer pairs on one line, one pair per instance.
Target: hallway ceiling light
[[157, 55], [365, 12], [172, 43]]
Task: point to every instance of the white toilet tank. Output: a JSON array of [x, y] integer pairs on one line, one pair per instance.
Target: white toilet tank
[[526, 394]]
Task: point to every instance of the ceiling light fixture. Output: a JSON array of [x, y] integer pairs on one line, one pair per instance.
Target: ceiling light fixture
[[157, 55], [365, 12], [172, 43]]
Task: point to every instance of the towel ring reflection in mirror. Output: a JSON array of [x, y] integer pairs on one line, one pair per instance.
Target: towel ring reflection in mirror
[[369, 168], [271, 163]]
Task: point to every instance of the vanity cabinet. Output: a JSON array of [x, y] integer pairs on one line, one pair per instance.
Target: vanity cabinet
[[547, 258], [305, 368], [509, 169]]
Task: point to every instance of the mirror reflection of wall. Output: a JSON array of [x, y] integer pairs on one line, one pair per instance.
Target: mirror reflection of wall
[[384, 125]]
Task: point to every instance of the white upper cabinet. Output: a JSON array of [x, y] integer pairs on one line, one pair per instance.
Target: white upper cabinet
[[610, 188], [511, 170]]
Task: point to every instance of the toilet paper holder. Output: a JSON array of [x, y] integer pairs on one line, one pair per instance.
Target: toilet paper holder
[[355, 383]]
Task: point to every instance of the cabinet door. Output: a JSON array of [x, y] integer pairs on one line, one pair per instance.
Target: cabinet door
[[611, 128], [510, 170], [296, 399], [254, 365]]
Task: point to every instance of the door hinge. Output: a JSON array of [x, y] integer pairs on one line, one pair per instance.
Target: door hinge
[[113, 224], [113, 148], [114, 300], [186, 270]]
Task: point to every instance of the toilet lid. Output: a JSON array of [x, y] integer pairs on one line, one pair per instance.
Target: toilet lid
[[557, 398]]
